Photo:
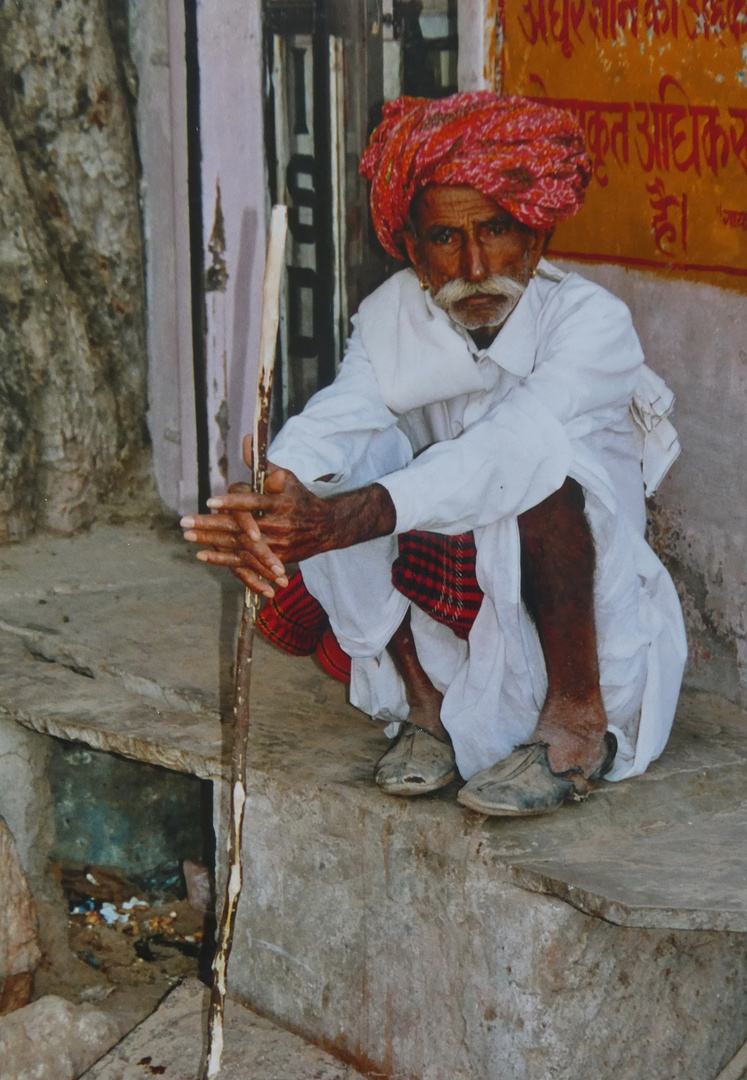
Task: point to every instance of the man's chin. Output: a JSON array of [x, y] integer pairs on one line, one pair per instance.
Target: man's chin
[[483, 316]]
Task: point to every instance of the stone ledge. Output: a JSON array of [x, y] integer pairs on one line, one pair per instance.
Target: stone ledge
[[131, 652]]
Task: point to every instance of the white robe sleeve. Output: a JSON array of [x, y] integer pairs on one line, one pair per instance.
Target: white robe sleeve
[[339, 433], [587, 364]]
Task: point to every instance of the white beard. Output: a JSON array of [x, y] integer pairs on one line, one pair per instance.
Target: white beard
[[508, 289]]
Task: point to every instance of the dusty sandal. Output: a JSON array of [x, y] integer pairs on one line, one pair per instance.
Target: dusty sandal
[[523, 784], [417, 763]]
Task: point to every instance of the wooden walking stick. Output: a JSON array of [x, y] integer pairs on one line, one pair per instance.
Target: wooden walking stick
[[267, 343]]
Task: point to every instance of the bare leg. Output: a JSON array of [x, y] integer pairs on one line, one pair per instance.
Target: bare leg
[[557, 571], [423, 698]]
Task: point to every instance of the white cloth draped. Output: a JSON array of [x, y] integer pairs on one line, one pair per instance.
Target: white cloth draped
[[467, 439]]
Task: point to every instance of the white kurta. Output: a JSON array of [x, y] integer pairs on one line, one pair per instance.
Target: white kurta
[[465, 439]]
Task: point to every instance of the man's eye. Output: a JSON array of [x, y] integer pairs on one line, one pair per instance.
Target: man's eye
[[496, 229], [443, 236]]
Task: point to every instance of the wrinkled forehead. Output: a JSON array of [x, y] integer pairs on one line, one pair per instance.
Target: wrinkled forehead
[[455, 205]]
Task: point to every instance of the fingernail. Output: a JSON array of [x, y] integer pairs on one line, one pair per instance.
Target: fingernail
[[215, 504], [254, 535], [202, 556], [187, 522], [282, 581], [190, 536]]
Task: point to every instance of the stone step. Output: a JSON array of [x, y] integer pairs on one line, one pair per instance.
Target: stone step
[[170, 1044], [417, 939], [131, 652]]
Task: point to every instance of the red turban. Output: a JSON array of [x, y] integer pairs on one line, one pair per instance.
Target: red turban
[[528, 156]]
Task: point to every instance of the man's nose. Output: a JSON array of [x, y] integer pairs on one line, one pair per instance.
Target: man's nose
[[473, 261]]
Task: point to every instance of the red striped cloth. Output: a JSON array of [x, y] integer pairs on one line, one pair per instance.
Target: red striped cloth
[[435, 572]]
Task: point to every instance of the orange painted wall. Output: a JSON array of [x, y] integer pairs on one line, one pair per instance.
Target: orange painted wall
[[660, 87]]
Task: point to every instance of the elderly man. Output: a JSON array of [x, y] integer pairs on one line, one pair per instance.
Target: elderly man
[[467, 498]]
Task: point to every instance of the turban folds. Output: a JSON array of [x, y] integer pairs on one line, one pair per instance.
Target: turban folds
[[528, 156]]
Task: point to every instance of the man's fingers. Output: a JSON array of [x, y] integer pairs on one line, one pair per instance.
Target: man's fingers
[[276, 480], [225, 541], [254, 582], [241, 496], [246, 559], [246, 452], [220, 558], [264, 562], [235, 500], [246, 449], [247, 524], [221, 522]]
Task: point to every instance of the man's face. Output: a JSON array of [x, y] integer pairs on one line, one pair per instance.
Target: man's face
[[474, 257]]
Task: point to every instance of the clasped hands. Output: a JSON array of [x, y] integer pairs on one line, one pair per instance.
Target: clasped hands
[[293, 526], [255, 536]]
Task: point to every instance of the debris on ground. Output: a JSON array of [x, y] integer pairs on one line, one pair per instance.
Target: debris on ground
[[117, 930], [125, 945]]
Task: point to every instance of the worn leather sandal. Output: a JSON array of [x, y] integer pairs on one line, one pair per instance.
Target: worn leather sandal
[[417, 763], [523, 784]]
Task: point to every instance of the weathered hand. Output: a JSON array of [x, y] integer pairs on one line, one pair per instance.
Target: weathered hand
[[295, 524], [235, 542]]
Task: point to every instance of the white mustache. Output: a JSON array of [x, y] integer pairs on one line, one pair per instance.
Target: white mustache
[[494, 285]]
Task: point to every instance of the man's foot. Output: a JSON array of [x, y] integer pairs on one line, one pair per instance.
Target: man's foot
[[417, 764], [524, 784], [574, 734]]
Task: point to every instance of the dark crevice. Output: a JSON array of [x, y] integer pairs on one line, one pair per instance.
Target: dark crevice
[[199, 314], [77, 669]]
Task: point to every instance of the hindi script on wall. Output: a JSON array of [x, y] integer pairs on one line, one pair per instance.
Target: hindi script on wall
[[660, 88]]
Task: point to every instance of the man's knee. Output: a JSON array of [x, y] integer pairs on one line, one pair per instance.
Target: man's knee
[[563, 509]]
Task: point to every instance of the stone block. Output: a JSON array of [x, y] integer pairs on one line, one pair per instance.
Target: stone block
[[25, 797], [51, 1039], [392, 932]]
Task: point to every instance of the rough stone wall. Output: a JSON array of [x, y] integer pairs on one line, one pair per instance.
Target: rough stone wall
[[72, 337], [19, 949]]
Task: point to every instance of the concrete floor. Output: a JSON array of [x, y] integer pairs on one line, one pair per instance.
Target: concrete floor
[[412, 937]]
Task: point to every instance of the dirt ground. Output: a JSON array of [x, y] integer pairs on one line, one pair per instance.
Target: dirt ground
[[127, 964]]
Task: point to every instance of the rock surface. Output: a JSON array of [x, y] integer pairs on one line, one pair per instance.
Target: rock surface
[[51, 1039], [19, 948], [72, 338]]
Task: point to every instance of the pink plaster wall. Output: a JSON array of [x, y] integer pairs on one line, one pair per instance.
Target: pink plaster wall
[[233, 172]]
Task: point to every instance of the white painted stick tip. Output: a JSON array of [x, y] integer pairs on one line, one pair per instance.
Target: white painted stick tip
[[268, 334], [216, 1052], [271, 286]]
